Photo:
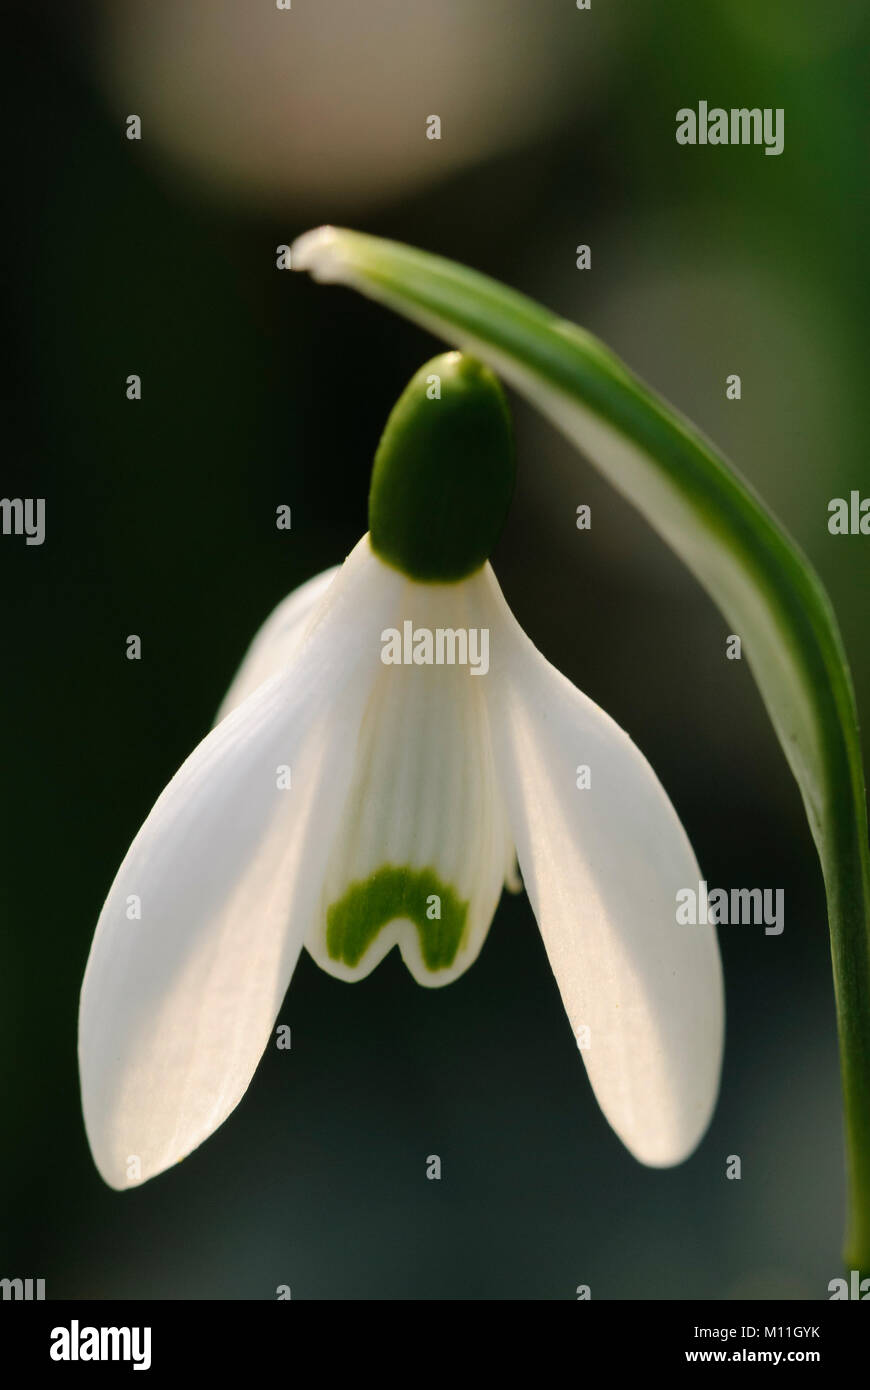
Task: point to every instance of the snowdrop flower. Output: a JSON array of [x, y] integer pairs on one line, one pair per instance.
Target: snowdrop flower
[[392, 740]]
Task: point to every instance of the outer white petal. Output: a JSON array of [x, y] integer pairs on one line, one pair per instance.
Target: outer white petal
[[424, 815], [602, 868], [277, 640], [177, 1007]]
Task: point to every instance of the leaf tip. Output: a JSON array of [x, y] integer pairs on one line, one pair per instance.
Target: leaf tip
[[319, 252]]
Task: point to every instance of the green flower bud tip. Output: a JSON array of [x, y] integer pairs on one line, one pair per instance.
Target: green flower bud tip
[[444, 472]]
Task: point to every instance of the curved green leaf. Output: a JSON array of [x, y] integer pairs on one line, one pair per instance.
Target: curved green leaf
[[714, 520]]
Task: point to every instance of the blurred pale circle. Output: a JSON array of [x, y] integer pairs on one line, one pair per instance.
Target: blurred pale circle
[[329, 99]]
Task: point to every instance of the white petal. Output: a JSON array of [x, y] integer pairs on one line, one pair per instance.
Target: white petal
[[277, 640], [177, 1007], [424, 849], [602, 868]]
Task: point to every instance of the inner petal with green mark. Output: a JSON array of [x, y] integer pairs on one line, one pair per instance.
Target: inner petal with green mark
[[391, 894], [423, 848]]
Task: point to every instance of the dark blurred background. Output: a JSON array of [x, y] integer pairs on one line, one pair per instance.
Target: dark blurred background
[[259, 388]]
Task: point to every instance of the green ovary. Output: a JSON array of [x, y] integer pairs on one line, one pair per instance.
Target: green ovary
[[371, 904]]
